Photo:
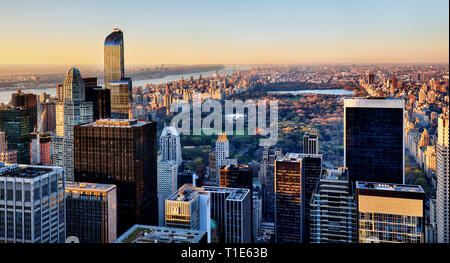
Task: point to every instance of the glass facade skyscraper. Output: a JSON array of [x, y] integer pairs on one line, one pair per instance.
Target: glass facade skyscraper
[[123, 153], [114, 74], [373, 139]]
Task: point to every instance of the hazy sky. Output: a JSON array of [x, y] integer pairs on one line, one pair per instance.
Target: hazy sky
[[219, 31]]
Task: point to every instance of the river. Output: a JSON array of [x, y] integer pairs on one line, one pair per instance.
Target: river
[[5, 95]]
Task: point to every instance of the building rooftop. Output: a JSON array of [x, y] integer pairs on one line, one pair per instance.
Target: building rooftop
[[373, 102], [390, 187], [186, 193], [234, 193], [91, 187], [114, 38], [118, 123], [236, 167], [295, 157], [157, 234], [222, 138], [23, 171]]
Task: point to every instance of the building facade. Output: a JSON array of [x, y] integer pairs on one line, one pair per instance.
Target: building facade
[[170, 145], [390, 213], [442, 174], [123, 153], [333, 209], [167, 185], [311, 142], [72, 110], [32, 205], [91, 212], [373, 139]]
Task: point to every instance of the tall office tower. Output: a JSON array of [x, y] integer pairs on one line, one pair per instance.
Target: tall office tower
[[390, 213], [114, 66], [6, 156], [238, 176], [311, 142], [121, 98], [289, 208], [45, 148], [267, 179], [312, 171], [333, 209], [189, 208], [100, 98], [33, 206], [230, 210], [374, 146], [442, 172], [123, 153], [167, 185], [72, 110], [91, 212], [257, 215], [28, 102], [170, 146], [157, 234], [223, 153], [114, 74], [15, 124]]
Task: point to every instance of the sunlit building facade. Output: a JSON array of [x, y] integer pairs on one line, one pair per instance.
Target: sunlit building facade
[[91, 212], [442, 174], [390, 213]]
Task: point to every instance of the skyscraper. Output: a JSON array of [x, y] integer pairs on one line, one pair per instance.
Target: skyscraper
[[333, 209], [390, 213], [230, 210], [267, 179], [222, 153], [289, 199], [311, 142], [71, 111], [167, 185], [27, 102], [114, 74], [170, 146], [15, 124], [114, 65], [373, 139], [123, 153], [238, 176], [36, 207], [442, 175], [100, 98], [91, 212]]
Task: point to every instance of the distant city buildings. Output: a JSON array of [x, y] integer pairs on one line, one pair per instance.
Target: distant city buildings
[[311, 142]]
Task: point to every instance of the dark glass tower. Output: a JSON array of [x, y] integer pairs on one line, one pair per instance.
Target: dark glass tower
[[100, 98], [16, 125], [121, 152], [373, 139]]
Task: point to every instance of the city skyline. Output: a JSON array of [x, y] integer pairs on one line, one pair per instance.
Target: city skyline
[[230, 33]]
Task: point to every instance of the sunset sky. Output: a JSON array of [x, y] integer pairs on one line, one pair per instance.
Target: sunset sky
[[228, 32]]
